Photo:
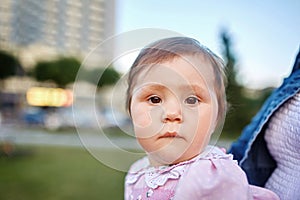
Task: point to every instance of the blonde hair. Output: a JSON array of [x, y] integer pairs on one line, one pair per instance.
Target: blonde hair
[[169, 48]]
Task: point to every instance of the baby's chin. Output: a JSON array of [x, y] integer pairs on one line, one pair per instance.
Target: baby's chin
[[163, 160], [183, 159]]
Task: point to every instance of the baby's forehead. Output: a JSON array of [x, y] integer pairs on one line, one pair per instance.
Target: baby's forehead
[[192, 58], [175, 76], [182, 67]]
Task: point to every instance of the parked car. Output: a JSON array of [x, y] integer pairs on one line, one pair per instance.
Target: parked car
[[34, 115]]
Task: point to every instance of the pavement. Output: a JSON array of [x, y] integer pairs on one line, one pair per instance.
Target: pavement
[[18, 135], [29, 136]]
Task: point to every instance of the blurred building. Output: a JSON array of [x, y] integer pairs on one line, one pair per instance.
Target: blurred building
[[35, 30], [69, 27]]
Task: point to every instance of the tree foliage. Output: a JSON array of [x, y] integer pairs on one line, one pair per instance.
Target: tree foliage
[[62, 71], [9, 65], [103, 76], [241, 108]]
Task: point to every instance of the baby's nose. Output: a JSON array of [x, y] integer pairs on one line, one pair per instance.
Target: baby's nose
[[172, 111]]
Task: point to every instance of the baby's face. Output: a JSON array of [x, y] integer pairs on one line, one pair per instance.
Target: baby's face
[[173, 109]]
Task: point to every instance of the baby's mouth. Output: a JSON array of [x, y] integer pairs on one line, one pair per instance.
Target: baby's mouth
[[170, 131], [170, 135]]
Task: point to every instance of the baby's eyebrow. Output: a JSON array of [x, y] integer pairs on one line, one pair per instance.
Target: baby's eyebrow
[[192, 87], [154, 87], [149, 88], [195, 88]]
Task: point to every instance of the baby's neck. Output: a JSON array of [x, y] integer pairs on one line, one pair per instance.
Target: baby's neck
[[155, 163]]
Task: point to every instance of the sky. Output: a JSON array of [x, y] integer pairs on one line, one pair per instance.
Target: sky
[[265, 33]]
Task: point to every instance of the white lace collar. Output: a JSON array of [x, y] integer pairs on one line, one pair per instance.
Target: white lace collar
[[158, 176]]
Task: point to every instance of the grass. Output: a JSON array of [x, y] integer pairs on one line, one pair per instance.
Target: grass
[[54, 173], [59, 173]]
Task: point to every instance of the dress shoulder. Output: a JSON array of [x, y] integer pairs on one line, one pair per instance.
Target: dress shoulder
[[218, 177], [139, 165]]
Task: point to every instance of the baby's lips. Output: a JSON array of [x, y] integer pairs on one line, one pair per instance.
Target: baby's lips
[[169, 135]]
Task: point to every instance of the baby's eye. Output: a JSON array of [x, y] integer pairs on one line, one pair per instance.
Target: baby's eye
[[154, 100], [191, 100]]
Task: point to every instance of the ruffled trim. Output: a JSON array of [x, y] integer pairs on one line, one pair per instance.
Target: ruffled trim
[[158, 176]]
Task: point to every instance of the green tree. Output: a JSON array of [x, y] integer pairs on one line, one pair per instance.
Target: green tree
[[241, 107], [62, 71], [103, 77], [109, 77], [9, 66], [238, 115]]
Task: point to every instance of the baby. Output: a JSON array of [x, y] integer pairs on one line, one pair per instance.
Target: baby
[[176, 99]]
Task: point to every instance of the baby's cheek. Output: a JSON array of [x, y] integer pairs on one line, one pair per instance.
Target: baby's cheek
[[146, 121], [141, 117]]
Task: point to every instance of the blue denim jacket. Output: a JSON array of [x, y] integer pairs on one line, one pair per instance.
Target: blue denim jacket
[[250, 149]]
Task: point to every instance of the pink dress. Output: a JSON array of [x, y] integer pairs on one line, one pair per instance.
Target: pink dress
[[211, 175]]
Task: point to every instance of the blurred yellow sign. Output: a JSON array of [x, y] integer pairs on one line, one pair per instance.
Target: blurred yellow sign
[[56, 97]]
